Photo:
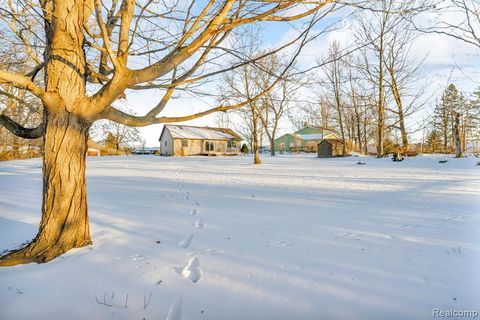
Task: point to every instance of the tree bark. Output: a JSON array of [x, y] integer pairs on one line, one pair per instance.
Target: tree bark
[[456, 133], [64, 223], [256, 157], [401, 115], [272, 146]]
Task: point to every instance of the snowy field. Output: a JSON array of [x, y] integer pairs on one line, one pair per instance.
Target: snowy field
[[218, 238]]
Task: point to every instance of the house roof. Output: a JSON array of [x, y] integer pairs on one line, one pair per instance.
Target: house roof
[[332, 136], [332, 140], [312, 136], [227, 131], [204, 133], [316, 128]]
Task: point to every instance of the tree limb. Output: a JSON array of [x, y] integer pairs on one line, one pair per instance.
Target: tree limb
[[21, 131]]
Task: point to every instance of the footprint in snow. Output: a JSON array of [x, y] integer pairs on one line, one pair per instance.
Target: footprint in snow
[[209, 252], [175, 311], [285, 243], [185, 243], [138, 257], [192, 271], [197, 203], [291, 267], [194, 212], [261, 233], [198, 224]]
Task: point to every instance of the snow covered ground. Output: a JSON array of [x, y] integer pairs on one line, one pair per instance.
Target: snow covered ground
[[218, 238]]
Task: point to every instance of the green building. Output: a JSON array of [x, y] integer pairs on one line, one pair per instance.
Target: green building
[[305, 139]]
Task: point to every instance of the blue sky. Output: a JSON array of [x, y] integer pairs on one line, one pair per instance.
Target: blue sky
[[447, 60]]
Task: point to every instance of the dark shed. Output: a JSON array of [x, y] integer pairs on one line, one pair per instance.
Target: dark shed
[[328, 148]]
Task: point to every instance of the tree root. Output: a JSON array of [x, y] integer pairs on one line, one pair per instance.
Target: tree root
[[36, 253]]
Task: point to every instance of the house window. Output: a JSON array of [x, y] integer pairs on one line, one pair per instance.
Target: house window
[[184, 143], [165, 142], [231, 144], [209, 146]]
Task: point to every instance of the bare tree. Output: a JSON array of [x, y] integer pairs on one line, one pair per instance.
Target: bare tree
[[334, 74], [16, 103], [386, 59], [243, 86], [92, 53], [119, 134], [403, 79], [459, 19], [373, 29], [278, 102]]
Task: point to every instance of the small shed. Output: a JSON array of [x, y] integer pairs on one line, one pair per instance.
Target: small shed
[[328, 148]]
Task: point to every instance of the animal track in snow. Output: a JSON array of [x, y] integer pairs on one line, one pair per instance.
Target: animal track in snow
[[175, 311], [192, 271], [211, 252], [184, 244], [194, 212], [198, 224]]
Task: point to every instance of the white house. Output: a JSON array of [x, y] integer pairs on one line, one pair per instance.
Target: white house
[[179, 140]]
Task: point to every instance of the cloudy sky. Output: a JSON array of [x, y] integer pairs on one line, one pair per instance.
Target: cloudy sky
[[447, 60]]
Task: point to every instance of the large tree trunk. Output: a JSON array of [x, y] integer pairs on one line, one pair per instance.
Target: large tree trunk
[[64, 223]]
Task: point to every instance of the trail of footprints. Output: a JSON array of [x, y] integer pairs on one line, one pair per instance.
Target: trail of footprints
[[191, 271]]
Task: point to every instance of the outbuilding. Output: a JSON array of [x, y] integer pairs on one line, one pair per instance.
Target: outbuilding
[[303, 140], [328, 148], [179, 140], [92, 152]]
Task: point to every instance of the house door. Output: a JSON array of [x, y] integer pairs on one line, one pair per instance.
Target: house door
[[209, 146], [325, 150]]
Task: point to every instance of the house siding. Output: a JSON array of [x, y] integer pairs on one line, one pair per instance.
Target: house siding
[[174, 143], [166, 150], [287, 140], [197, 147]]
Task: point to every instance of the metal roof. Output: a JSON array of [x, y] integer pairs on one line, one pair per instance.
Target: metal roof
[[311, 136], [188, 132]]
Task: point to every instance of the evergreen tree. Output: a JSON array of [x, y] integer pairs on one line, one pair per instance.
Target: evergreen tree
[[244, 148], [451, 102]]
